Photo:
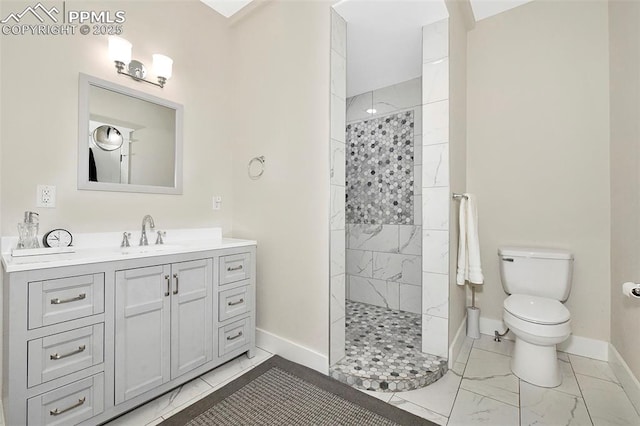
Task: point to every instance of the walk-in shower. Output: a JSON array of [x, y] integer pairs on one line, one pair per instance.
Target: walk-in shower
[[389, 258], [383, 142]]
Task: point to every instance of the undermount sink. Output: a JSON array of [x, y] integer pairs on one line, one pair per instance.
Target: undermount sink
[[150, 248]]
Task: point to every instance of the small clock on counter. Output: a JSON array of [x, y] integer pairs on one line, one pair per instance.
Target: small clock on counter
[[57, 238]]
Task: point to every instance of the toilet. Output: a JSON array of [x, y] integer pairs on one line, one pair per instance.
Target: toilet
[[538, 281]]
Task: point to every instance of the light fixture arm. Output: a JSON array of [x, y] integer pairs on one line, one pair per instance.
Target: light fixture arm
[[120, 67]]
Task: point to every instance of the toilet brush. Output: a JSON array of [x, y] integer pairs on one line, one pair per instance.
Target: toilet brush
[[473, 316], [473, 296]]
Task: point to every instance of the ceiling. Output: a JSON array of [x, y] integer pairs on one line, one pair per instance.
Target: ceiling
[[226, 8], [486, 8], [384, 40], [384, 37]]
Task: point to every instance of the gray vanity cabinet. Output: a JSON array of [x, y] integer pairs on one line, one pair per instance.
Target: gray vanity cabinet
[[85, 342], [163, 324]]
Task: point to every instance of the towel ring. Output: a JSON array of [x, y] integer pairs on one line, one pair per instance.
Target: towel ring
[[255, 174]]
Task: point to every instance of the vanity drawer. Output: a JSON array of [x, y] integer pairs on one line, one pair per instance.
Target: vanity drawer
[[64, 299], [64, 353], [233, 302], [233, 336], [234, 268], [68, 405]]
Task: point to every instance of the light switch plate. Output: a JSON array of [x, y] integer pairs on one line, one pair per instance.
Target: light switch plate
[[217, 202]]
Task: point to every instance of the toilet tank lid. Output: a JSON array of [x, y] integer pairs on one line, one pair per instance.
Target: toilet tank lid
[[535, 252]]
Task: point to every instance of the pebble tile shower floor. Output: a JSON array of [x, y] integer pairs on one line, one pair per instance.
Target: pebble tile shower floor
[[383, 351]]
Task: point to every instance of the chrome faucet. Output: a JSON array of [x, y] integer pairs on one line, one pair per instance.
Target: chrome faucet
[[143, 236]]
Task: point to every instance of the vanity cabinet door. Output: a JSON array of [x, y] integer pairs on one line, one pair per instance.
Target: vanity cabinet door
[[143, 332], [191, 315]]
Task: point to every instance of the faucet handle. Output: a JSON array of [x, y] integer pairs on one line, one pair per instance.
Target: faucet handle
[[125, 239], [161, 235]]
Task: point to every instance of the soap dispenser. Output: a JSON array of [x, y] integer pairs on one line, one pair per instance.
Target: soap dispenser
[[28, 231]]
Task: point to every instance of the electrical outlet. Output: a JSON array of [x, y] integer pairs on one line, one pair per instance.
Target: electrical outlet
[[217, 202], [46, 196]]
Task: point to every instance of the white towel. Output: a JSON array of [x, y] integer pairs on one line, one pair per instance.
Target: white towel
[[469, 267]]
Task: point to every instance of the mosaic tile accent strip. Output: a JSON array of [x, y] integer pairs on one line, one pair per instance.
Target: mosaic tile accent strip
[[383, 351], [380, 170]]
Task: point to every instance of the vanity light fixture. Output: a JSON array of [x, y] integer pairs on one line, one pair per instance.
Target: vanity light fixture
[[371, 111], [120, 53]]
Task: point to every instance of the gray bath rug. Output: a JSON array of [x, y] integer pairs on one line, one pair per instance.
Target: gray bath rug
[[280, 392]]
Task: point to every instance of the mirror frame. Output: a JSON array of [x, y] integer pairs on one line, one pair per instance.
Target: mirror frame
[[84, 85]]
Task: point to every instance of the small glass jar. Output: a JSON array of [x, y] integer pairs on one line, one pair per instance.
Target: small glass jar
[[28, 236]]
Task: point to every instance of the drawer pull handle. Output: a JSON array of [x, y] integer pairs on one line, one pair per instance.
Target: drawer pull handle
[[57, 301], [57, 412], [235, 337], [166, 293], [235, 268], [77, 351], [236, 303]]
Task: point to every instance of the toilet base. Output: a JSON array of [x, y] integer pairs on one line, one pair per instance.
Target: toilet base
[[536, 364]]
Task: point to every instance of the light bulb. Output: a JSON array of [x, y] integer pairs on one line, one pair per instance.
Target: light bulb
[[162, 65], [119, 50]]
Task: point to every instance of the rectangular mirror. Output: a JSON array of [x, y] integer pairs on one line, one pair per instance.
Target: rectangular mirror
[[128, 140]]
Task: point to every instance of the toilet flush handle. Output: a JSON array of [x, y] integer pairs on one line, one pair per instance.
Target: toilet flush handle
[[507, 259]]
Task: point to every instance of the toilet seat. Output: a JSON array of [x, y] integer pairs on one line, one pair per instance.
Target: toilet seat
[[537, 310]]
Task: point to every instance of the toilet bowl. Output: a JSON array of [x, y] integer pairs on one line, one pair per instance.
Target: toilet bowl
[[539, 324], [537, 280]]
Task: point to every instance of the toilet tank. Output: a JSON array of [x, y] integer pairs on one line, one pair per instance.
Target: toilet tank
[[540, 272]]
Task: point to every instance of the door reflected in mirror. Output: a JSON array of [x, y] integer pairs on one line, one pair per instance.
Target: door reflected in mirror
[[128, 140]]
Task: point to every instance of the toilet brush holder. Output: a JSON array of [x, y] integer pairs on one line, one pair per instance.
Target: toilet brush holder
[[473, 322]]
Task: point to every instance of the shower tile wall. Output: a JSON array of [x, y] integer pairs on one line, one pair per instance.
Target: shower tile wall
[[436, 193], [337, 173], [431, 174], [383, 257]]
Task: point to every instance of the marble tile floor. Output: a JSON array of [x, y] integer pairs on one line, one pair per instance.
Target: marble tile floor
[[479, 390], [383, 351], [164, 406]]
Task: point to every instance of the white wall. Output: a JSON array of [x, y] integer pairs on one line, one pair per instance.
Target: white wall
[[337, 164], [538, 146], [280, 104], [40, 112], [1, 274], [457, 155], [279, 78], [624, 24]]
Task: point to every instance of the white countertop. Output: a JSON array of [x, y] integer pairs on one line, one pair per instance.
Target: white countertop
[[105, 247]]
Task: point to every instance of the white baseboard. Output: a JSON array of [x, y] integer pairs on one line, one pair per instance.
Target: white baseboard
[[292, 351], [584, 346], [456, 344], [628, 380], [576, 345]]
